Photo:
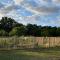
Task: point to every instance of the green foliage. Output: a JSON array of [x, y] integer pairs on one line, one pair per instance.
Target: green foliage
[[3, 33], [58, 31], [13, 32], [31, 29], [9, 25], [17, 31]]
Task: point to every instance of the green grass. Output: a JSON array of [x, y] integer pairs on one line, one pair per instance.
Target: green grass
[[29, 55]]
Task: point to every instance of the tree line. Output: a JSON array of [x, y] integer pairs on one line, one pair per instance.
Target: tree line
[[9, 27]]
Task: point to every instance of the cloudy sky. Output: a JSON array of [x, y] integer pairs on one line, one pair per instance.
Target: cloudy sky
[[41, 12]]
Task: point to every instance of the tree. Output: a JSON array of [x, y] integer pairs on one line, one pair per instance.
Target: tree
[[7, 24], [44, 31], [3, 33], [58, 31], [31, 29], [18, 31], [53, 31], [38, 32]]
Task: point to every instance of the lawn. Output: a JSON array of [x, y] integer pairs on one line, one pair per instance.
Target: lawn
[[29, 55]]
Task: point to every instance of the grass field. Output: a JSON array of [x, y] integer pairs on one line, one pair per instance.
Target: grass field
[[10, 51], [29, 55]]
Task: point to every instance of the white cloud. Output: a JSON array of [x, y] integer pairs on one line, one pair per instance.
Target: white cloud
[[56, 1], [17, 1], [7, 9], [36, 10], [39, 11]]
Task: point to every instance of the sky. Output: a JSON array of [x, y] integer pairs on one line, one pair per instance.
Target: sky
[[40, 12]]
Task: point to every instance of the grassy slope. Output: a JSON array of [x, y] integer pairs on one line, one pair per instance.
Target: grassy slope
[[29, 55]]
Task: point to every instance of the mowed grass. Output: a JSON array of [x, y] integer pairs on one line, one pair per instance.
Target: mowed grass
[[29, 55]]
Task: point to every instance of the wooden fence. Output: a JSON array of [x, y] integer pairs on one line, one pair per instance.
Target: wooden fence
[[29, 42], [48, 41]]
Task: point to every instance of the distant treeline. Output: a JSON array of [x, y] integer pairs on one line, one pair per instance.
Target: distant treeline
[[9, 27]]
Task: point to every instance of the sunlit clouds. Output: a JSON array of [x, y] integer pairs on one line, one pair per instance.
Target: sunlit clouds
[[41, 12]]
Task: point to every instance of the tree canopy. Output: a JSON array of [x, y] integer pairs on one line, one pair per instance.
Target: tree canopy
[[9, 27]]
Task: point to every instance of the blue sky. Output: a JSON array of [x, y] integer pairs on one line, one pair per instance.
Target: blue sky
[[40, 12]]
